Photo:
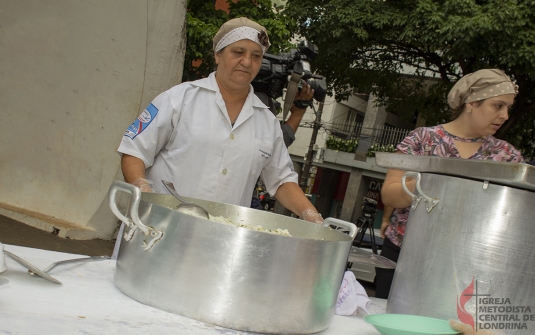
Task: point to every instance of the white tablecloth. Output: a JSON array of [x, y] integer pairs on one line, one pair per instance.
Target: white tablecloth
[[89, 303]]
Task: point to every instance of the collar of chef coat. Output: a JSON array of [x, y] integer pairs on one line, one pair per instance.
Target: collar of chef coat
[[251, 103]]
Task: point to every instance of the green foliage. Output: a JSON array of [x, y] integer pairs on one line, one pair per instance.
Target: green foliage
[[338, 144], [203, 22], [393, 47], [381, 148]]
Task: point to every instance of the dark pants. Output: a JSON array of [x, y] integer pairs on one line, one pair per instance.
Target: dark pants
[[384, 277]]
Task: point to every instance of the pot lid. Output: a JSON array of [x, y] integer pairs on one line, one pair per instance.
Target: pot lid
[[517, 175]]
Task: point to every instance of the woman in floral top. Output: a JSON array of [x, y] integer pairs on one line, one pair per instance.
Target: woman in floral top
[[480, 102]]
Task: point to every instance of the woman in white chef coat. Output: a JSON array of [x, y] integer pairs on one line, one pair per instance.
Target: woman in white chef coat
[[213, 137]]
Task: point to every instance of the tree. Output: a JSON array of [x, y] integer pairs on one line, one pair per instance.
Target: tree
[[203, 22], [392, 47]]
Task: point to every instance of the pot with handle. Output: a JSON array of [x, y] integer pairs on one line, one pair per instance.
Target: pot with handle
[[230, 276], [468, 248]]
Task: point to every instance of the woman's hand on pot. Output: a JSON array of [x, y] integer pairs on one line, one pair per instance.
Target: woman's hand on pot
[[144, 185], [466, 329], [312, 215]]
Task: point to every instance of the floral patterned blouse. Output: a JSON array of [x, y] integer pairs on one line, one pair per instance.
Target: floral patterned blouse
[[436, 141]]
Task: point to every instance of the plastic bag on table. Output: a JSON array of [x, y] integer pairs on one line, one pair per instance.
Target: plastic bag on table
[[351, 297]]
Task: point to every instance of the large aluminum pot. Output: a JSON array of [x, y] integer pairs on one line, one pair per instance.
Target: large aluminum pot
[[229, 276], [468, 253]]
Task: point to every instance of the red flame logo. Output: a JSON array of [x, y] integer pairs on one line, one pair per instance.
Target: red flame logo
[[462, 314]]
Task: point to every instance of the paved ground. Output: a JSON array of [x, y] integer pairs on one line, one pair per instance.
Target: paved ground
[[17, 233]]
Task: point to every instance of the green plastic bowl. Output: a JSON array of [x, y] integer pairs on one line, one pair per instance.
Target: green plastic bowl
[[403, 324]]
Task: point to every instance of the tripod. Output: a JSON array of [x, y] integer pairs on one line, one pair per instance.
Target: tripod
[[366, 222]]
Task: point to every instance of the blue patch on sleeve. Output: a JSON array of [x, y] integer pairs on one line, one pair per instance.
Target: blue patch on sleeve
[[142, 122]]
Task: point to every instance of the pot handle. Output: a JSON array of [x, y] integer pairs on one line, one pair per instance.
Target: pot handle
[[429, 202], [343, 224], [134, 223]]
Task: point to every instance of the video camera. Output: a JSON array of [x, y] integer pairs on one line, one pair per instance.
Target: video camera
[[369, 207], [275, 70]]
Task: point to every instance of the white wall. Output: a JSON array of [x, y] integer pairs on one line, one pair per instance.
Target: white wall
[[304, 132], [331, 111], [356, 103], [73, 75]]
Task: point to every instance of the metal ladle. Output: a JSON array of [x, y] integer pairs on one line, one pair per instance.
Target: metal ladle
[[186, 206], [34, 271], [32, 268], [74, 260]]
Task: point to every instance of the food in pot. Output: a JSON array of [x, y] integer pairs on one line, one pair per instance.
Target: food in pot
[[224, 220]]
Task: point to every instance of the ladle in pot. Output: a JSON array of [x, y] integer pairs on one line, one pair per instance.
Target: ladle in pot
[[186, 206]]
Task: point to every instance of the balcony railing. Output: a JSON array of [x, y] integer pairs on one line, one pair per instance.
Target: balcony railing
[[382, 135], [386, 135], [346, 130]]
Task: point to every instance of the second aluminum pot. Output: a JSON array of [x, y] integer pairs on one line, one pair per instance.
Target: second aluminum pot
[[229, 276], [468, 253]]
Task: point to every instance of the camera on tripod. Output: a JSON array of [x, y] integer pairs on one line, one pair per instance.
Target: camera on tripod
[[272, 78], [364, 223], [369, 207]]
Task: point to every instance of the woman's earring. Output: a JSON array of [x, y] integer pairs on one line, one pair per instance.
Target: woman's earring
[[468, 110]]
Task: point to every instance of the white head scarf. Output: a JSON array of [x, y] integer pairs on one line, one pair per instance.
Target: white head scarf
[[240, 34], [257, 33]]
